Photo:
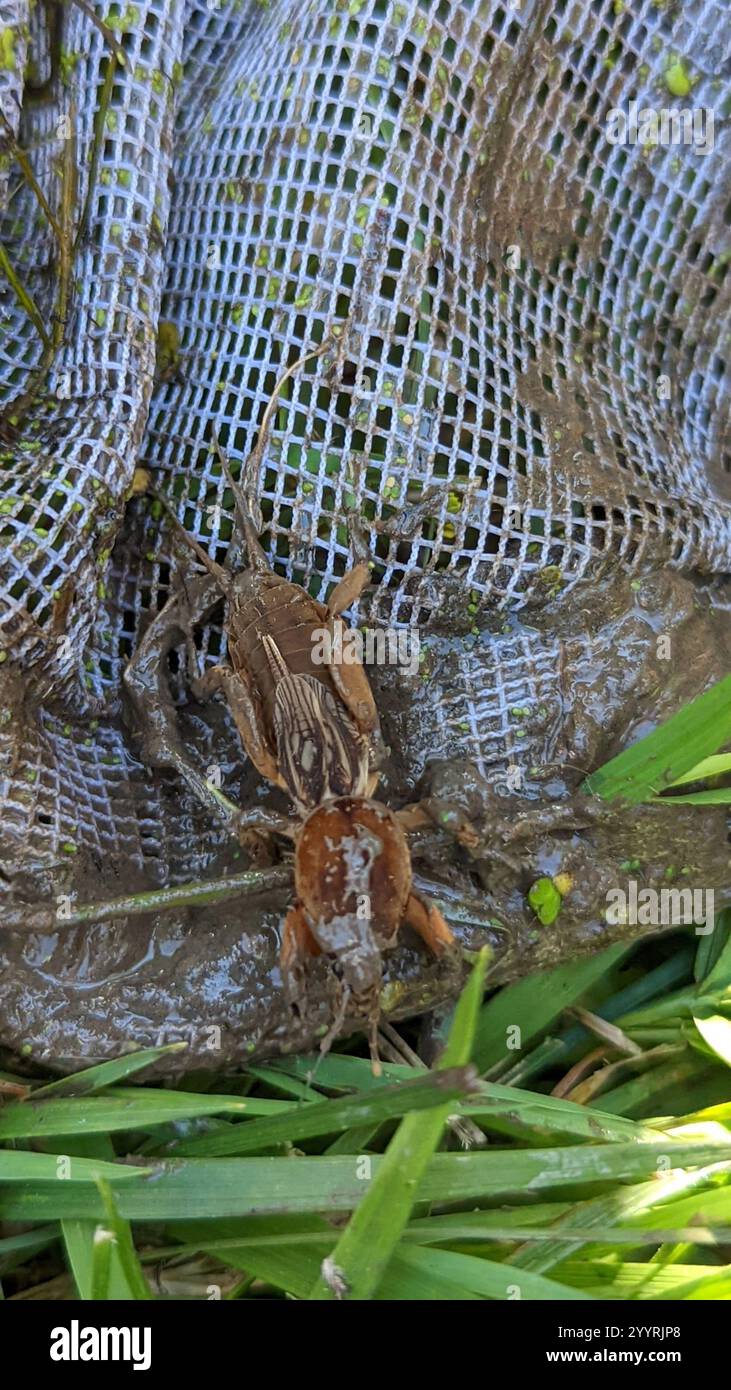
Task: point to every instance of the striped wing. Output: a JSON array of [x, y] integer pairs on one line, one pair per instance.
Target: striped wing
[[320, 752]]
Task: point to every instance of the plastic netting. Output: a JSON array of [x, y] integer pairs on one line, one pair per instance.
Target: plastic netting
[[526, 391]]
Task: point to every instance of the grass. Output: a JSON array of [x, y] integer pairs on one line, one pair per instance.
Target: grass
[[595, 1100]]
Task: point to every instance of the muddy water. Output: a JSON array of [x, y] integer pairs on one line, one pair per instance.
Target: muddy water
[[589, 675]]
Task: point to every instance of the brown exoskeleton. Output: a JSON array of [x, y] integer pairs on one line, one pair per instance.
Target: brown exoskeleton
[[353, 892], [307, 727], [305, 724]]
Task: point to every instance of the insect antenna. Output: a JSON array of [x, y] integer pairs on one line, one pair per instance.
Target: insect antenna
[[242, 506], [219, 574], [337, 1022], [373, 1021], [242, 489]]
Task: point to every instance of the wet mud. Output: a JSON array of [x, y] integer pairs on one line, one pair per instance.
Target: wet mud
[[562, 606], [209, 976]]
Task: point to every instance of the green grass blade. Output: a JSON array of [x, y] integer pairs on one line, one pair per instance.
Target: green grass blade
[[533, 1004], [413, 1273], [217, 1237], [552, 1052], [486, 1277], [101, 1264], [681, 1005], [707, 1284], [716, 1032], [711, 948], [15, 1249], [87, 1258], [279, 1081], [309, 1121], [339, 1073], [715, 796], [81, 1083], [645, 1092], [20, 1166], [640, 1281], [78, 1239], [719, 977], [710, 767], [368, 1242], [88, 1265], [122, 1245], [631, 1206], [293, 1268], [694, 1204], [229, 1187], [123, 1109], [650, 766], [528, 1116], [353, 1141], [702, 1118]]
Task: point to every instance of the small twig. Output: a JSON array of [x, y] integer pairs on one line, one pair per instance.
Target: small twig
[[198, 893], [608, 1032], [66, 245], [464, 1129], [387, 1051], [407, 1056], [579, 1071], [611, 1072]]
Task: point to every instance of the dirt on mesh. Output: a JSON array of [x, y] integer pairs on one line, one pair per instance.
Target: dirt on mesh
[[546, 593], [210, 977]]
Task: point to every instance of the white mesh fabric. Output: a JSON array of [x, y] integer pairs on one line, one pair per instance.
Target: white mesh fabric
[[270, 174]]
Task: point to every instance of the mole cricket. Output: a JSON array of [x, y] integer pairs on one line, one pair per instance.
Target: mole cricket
[[309, 728]]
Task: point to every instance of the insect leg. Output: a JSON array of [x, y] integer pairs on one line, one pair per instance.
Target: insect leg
[[413, 817], [246, 710], [352, 684], [145, 678], [218, 572], [148, 692], [339, 1017], [428, 923], [445, 817], [298, 944], [373, 1022], [348, 589]]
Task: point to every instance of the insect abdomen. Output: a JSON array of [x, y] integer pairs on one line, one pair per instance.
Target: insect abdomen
[[268, 606]]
